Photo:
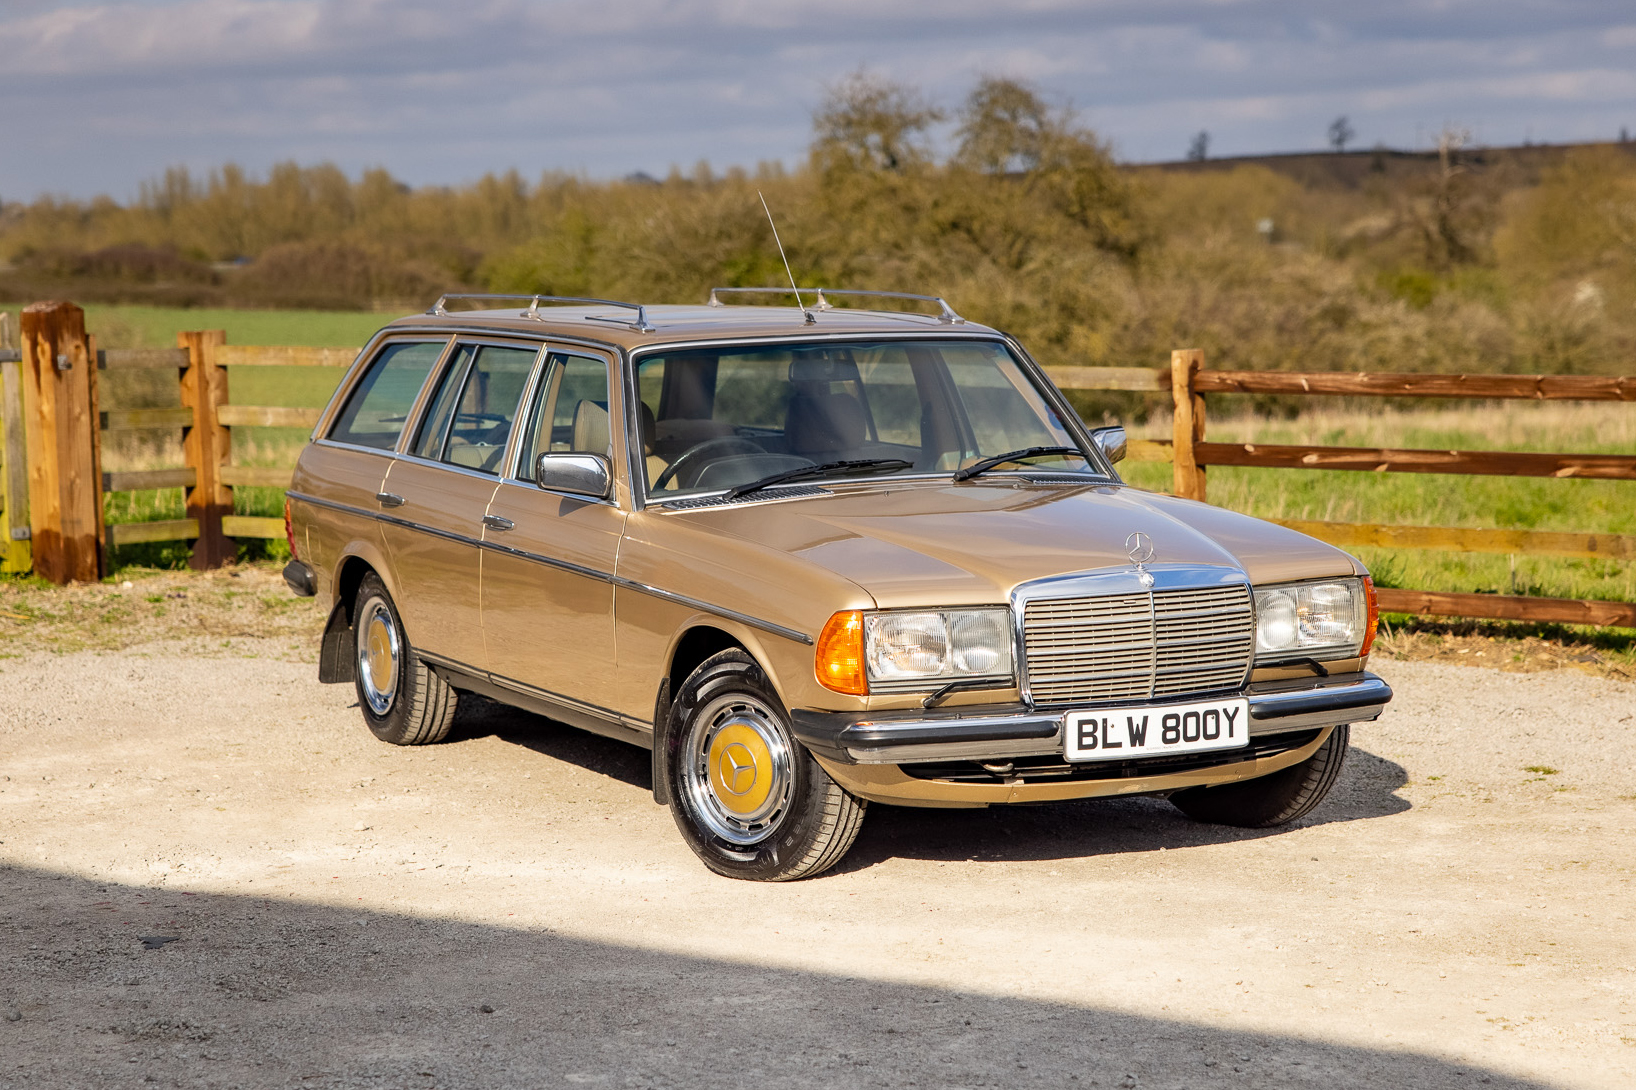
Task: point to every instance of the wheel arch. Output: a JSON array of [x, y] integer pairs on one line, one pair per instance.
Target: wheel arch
[[696, 641]]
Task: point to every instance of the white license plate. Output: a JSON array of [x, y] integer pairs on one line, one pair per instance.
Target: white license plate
[[1118, 734]]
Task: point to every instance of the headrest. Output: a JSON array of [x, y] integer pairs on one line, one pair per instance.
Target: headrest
[[650, 428], [824, 423], [590, 428], [818, 367]]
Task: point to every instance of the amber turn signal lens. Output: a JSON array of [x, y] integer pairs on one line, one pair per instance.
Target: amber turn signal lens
[[1373, 619], [289, 530], [839, 658]]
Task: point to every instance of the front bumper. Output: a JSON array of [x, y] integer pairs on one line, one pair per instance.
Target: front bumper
[[999, 733]]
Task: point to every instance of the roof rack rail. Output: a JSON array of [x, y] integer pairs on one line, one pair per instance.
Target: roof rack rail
[[946, 313], [640, 323]]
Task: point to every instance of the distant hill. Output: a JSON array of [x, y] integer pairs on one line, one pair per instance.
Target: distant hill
[[1354, 170]]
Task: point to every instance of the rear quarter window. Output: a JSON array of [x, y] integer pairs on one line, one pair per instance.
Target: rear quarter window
[[378, 407]]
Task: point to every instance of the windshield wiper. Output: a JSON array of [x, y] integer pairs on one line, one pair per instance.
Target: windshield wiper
[[822, 469], [1012, 456]]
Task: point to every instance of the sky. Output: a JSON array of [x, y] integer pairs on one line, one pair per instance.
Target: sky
[[100, 97]]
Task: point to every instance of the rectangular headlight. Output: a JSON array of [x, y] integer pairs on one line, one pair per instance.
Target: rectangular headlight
[[946, 645], [1300, 618]]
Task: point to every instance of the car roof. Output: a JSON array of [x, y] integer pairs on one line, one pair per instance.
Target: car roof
[[623, 324]]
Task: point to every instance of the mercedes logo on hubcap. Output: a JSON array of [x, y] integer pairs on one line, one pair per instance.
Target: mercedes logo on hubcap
[[738, 768]]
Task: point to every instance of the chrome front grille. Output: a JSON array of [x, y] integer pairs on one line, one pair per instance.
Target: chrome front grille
[[1160, 644]]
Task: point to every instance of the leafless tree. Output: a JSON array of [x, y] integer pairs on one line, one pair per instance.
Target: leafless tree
[[1341, 133]]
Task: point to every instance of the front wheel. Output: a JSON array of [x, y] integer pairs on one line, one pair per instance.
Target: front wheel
[[402, 700], [1275, 799], [748, 799]]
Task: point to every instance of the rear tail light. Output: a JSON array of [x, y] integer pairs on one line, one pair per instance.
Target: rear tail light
[[289, 531]]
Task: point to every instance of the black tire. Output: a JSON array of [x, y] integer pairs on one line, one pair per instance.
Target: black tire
[[1275, 799], [793, 822], [403, 701]]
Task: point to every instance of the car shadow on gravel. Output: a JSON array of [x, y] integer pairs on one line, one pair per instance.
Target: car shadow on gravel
[[1064, 830], [479, 717], [1060, 830], [255, 992]]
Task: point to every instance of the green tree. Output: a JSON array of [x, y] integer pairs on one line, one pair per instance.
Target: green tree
[[867, 122]]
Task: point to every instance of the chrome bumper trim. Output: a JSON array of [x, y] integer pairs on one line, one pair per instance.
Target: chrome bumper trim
[[908, 736], [1278, 705]]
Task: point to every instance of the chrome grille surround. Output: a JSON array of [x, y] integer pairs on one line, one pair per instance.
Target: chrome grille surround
[[1102, 637]]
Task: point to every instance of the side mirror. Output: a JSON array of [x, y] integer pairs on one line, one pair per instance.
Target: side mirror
[[576, 474], [1110, 441]]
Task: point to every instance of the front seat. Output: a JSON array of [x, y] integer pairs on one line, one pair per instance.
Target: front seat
[[823, 426]]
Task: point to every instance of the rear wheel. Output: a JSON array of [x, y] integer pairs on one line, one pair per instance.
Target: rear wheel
[[402, 700], [1277, 799], [748, 799]]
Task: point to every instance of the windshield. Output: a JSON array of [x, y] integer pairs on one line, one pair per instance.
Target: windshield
[[716, 418]]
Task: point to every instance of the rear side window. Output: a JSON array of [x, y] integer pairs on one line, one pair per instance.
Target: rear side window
[[377, 409], [483, 415]]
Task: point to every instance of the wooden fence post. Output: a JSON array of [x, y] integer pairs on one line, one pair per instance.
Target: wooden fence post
[[60, 416], [204, 445], [1188, 422], [15, 554]]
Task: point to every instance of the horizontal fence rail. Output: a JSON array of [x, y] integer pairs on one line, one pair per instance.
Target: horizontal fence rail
[[1606, 467], [1389, 384]]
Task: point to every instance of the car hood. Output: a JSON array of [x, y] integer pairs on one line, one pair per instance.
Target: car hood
[[915, 543]]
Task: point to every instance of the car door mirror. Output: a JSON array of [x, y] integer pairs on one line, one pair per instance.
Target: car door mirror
[[1110, 441], [577, 474]]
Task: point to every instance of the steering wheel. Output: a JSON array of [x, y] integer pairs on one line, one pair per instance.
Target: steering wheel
[[725, 444]]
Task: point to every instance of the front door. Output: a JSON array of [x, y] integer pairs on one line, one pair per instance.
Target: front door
[[437, 492], [549, 557]]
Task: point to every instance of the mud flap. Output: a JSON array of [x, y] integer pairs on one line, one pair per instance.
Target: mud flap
[[661, 744], [337, 658]]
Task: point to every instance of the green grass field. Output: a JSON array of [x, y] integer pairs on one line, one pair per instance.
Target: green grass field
[[156, 327]]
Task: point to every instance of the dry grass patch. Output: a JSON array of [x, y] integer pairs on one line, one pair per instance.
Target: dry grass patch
[[146, 606]]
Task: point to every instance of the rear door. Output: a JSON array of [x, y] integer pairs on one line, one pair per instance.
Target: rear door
[[548, 566], [338, 476], [435, 496]]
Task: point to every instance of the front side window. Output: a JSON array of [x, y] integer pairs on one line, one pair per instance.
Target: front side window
[[378, 407], [718, 418], [570, 412], [471, 416]]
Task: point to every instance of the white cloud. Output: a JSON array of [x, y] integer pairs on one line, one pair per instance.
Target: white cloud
[[439, 92]]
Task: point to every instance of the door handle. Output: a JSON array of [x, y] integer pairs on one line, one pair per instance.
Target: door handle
[[495, 522], [389, 499]]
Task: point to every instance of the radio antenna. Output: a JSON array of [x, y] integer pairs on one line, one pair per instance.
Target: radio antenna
[[810, 319]]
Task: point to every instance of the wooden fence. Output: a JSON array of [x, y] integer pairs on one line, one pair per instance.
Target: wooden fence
[[15, 552], [53, 511], [36, 381], [1187, 381]]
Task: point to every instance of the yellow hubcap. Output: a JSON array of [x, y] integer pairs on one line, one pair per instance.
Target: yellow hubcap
[[741, 769], [380, 654]]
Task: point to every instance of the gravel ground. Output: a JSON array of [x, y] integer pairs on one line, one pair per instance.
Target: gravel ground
[[511, 909]]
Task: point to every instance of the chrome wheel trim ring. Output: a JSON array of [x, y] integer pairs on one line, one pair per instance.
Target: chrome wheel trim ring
[[736, 710], [380, 655]]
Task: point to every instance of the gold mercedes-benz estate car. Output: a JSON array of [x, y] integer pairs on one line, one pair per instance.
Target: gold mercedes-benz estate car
[[811, 556]]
